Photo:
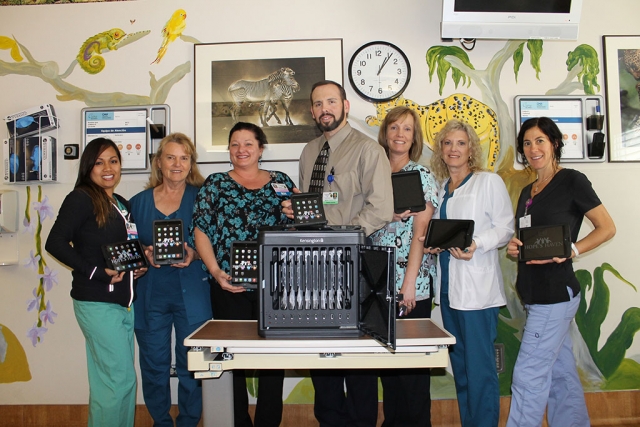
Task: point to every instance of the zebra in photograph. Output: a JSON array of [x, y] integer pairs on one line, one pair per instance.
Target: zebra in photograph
[[278, 86]]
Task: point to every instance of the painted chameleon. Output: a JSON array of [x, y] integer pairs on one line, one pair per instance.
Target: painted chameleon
[[90, 55]]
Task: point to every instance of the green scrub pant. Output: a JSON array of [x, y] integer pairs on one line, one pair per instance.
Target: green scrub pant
[[108, 333]]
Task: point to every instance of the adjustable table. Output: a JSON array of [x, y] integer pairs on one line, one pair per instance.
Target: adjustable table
[[219, 346]]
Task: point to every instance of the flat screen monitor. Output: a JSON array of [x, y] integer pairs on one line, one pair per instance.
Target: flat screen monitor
[[511, 19], [566, 112]]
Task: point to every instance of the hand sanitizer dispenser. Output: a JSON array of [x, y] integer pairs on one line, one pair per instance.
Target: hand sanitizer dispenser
[[8, 227]]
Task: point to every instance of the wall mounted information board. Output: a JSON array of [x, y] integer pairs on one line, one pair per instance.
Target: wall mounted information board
[[136, 130], [579, 117]]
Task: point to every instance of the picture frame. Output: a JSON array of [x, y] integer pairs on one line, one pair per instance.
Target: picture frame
[[622, 96], [262, 82]]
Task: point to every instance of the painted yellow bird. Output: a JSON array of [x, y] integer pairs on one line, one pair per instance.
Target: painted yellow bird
[[171, 31]]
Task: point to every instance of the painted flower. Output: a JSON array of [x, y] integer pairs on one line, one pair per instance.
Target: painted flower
[[44, 209], [49, 278], [28, 226], [32, 262], [36, 334], [47, 315], [35, 302]]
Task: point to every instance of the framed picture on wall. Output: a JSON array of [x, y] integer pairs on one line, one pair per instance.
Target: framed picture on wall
[[266, 83], [622, 87]]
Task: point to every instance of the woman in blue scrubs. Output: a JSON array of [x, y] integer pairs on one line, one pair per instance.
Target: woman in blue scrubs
[[172, 296]]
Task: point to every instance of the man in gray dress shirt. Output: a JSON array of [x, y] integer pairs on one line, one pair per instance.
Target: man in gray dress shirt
[[359, 193]]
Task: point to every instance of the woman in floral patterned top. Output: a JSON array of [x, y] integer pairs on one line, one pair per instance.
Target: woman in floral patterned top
[[232, 206], [406, 395]]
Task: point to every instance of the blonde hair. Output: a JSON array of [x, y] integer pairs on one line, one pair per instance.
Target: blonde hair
[[395, 115], [438, 166], [194, 177]]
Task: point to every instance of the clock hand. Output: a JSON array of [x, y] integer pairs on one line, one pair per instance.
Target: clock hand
[[384, 63]]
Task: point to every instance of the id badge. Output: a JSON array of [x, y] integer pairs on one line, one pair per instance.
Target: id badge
[[132, 230], [281, 189], [330, 198], [525, 221]]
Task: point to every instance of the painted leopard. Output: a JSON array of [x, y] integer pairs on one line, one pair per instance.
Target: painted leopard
[[457, 106]]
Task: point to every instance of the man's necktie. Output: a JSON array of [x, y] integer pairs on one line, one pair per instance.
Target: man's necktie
[[317, 176]]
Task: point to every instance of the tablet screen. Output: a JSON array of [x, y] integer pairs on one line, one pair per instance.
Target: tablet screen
[[449, 233], [407, 191], [308, 209], [244, 264], [544, 242], [124, 256], [168, 241]]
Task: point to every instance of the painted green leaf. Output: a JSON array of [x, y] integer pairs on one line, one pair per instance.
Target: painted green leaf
[[587, 57], [613, 351], [252, 382], [518, 57], [437, 63], [535, 50], [626, 377]]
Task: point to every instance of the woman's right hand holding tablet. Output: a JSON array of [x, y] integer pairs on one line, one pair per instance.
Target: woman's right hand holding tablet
[[513, 247]]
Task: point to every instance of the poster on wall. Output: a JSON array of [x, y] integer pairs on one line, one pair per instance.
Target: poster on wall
[[622, 79], [265, 83]]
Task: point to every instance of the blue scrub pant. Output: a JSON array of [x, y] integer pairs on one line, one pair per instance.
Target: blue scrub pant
[[545, 372], [473, 363], [154, 343], [108, 333]]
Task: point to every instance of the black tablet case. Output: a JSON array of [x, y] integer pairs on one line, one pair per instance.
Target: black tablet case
[[407, 191], [544, 242], [125, 256], [449, 233]]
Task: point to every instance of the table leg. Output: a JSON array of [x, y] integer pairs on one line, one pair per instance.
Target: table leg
[[217, 401]]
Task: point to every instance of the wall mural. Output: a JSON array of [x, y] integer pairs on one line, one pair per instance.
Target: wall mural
[[31, 2], [605, 368], [13, 361]]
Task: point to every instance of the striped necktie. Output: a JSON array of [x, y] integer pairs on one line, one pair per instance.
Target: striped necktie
[[317, 176]]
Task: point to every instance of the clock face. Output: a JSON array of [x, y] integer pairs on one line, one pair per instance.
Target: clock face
[[379, 71]]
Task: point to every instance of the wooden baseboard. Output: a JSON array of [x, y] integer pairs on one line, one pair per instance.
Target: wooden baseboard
[[617, 408]]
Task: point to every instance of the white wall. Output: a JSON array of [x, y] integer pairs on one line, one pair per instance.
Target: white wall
[[55, 33]]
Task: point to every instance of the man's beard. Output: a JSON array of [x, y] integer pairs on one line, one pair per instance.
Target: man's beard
[[331, 126]]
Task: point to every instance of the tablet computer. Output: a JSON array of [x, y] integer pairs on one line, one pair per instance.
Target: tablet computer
[[168, 241], [449, 233], [308, 209], [544, 242], [407, 192], [125, 256], [244, 264]]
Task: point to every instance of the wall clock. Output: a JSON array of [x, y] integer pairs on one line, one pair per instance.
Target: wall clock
[[379, 71]]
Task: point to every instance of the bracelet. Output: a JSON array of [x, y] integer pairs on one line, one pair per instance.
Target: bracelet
[[575, 250]]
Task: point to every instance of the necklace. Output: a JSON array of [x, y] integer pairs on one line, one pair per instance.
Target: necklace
[[539, 183]]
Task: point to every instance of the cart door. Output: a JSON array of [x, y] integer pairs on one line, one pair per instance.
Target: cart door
[[377, 294]]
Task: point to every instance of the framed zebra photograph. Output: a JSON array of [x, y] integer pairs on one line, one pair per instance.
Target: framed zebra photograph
[[266, 83]]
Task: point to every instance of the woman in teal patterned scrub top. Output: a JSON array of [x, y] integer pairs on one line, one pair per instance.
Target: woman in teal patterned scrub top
[[232, 206], [406, 394]]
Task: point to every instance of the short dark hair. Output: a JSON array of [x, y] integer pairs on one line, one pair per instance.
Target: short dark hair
[[546, 126], [257, 132], [343, 93]]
